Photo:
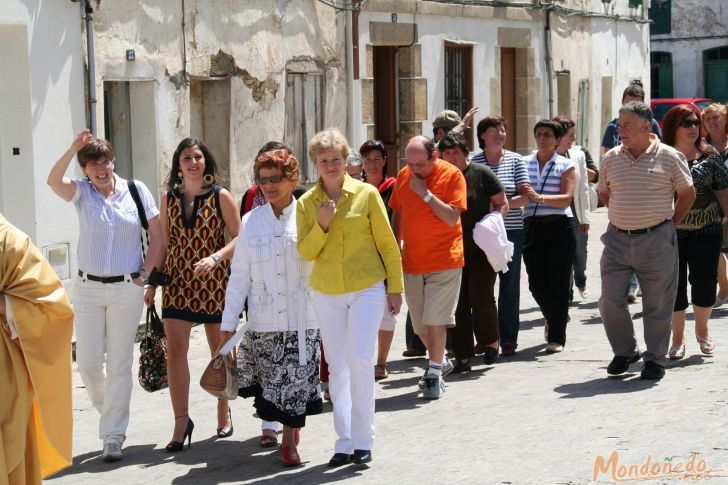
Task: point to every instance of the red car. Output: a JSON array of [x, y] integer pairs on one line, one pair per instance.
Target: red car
[[661, 106]]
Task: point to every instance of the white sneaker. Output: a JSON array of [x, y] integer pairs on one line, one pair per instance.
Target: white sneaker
[[111, 452], [553, 348]]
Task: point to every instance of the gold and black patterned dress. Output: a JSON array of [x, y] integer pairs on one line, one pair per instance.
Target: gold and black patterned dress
[[191, 297]]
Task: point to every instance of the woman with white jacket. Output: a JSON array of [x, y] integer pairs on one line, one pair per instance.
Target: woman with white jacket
[[279, 356], [580, 205]]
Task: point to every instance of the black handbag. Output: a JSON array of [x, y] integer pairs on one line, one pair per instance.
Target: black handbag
[[153, 354]]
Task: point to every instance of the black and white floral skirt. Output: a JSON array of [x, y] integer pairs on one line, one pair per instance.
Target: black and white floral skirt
[[269, 370]]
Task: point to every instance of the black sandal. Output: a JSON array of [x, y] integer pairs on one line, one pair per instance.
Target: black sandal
[[268, 441]]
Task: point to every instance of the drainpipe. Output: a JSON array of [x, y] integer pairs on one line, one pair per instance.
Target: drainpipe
[[349, 78], [89, 10], [549, 63]]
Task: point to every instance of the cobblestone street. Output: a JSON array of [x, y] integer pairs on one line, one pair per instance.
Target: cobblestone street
[[531, 418]]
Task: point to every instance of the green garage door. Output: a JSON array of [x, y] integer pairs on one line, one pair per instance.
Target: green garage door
[[716, 73]]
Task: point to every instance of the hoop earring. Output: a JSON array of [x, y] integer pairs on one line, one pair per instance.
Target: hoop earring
[[180, 182], [209, 179]]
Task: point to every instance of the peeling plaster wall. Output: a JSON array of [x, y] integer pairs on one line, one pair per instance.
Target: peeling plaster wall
[[251, 42], [691, 19]]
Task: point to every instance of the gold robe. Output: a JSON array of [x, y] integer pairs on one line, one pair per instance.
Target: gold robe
[[35, 368]]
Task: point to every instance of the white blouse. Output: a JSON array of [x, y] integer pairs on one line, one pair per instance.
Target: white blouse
[[268, 270]]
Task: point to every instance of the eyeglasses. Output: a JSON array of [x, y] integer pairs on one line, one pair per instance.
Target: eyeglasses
[[269, 180], [105, 164], [688, 123]]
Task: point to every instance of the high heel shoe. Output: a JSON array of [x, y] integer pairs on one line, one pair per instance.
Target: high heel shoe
[[175, 446], [226, 432]]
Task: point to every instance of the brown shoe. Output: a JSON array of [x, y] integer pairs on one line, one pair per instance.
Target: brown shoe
[[381, 372], [414, 353], [507, 350]]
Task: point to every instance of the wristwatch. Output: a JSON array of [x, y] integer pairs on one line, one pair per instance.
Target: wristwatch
[[427, 197], [216, 258]]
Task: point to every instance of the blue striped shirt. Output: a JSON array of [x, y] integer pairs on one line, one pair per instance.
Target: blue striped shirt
[[551, 184], [109, 242], [511, 172]]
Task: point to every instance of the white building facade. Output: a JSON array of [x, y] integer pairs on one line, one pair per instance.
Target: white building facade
[[238, 74], [689, 49], [41, 106], [525, 61]]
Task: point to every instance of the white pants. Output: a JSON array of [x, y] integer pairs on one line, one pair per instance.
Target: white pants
[[107, 317], [269, 425], [349, 324]]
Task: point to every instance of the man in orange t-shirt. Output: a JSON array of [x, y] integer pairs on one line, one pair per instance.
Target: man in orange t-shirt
[[427, 200]]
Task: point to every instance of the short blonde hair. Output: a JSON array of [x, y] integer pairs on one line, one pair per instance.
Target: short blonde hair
[[326, 140], [715, 108], [719, 108]]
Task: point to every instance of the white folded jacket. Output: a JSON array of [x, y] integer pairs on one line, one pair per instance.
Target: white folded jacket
[[490, 236]]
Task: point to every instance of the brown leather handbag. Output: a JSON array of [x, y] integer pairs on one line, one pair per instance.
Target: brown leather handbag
[[221, 376]]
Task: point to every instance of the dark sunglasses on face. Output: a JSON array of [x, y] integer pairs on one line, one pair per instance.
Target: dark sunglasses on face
[[688, 123], [269, 180]]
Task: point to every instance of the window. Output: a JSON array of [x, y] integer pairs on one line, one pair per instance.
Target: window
[[718, 54], [304, 117], [660, 15], [715, 69], [661, 75], [459, 82]]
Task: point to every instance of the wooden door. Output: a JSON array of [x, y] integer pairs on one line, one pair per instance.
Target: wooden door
[[508, 94], [386, 118]]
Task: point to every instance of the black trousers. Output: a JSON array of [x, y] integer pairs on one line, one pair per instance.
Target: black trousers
[[476, 309], [698, 252], [549, 260]]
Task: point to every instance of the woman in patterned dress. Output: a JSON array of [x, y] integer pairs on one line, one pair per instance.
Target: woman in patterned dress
[[700, 234], [197, 211]]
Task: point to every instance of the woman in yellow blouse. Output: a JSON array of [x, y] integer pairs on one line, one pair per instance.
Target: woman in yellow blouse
[[343, 228]]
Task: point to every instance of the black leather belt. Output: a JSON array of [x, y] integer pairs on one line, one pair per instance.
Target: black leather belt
[[106, 279], [634, 232]]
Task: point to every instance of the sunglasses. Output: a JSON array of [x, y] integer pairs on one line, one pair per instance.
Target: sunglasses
[[689, 123], [269, 180]]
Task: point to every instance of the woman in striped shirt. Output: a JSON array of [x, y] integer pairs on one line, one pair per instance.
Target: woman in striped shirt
[[550, 242], [512, 173], [107, 294]]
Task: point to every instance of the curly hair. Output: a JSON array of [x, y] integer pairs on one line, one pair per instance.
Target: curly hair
[[280, 159]]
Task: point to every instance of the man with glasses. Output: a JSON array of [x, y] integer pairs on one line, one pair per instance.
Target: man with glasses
[[637, 183], [428, 197]]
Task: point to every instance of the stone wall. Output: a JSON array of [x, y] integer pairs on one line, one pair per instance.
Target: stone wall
[[252, 44]]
